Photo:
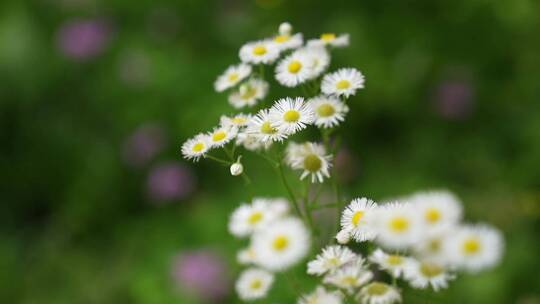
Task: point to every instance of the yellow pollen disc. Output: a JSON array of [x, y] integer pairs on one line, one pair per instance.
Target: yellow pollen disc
[[219, 135], [332, 262], [343, 84], [249, 93], [432, 215], [198, 147], [430, 269], [294, 66], [254, 217], [266, 128], [239, 120], [325, 110], [255, 284], [259, 50], [348, 280], [356, 217], [233, 77], [312, 163], [281, 38], [280, 243], [291, 116], [471, 246], [327, 37], [398, 224], [394, 260], [377, 289], [434, 245]]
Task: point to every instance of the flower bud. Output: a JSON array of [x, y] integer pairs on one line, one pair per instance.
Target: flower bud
[[285, 29], [237, 168], [343, 237]]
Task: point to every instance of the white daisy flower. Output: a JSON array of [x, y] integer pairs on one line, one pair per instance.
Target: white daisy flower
[[330, 39], [195, 148], [309, 157], [317, 58], [394, 264], [379, 293], [397, 225], [344, 82], [421, 274], [246, 256], [279, 206], [253, 284], [321, 296], [262, 126], [232, 76], [259, 52], [293, 70], [474, 247], [238, 120], [220, 136], [287, 41], [350, 276], [249, 93], [440, 210], [331, 259], [249, 217], [251, 142], [282, 244], [291, 115], [329, 111], [355, 219], [431, 247]]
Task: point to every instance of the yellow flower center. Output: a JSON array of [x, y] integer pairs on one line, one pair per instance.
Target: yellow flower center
[[312, 163], [294, 66], [280, 243], [398, 224], [291, 116], [232, 77], [255, 217], [348, 280], [198, 147], [377, 289], [266, 128], [281, 38], [327, 37], [332, 262], [239, 120], [255, 284], [343, 84], [394, 260], [432, 215], [434, 245], [356, 217], [325, 110], [471, 246], [259, 50], [430, 270], [248, 92], [218, 136]]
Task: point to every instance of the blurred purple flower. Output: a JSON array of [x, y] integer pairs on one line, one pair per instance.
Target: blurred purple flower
[[453, 99], [82, 39], [202, 273], [143, 145], [169, 181]]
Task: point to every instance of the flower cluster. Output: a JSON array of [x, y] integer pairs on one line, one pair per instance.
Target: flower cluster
[[296, 65], [420, 239], [277, 242]]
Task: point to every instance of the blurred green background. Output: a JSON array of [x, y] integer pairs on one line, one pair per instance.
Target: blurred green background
[[96, 98]]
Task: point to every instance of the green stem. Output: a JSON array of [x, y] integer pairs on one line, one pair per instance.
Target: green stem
[[289, 190], [309, 216], [261, 71], [219, 160]]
